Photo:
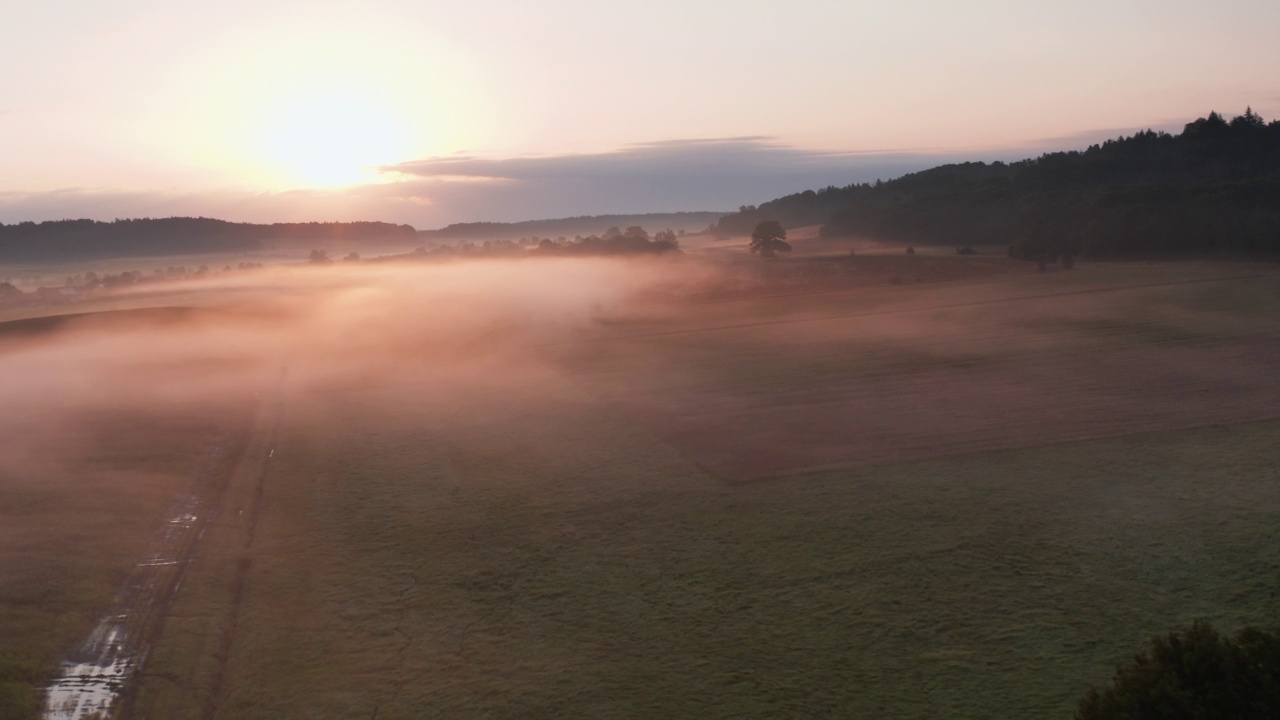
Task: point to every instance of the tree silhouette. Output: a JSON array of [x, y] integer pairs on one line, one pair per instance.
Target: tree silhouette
[[1195, 674], [769, 239], [667, 237]]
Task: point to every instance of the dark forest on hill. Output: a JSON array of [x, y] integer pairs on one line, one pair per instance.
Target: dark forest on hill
[[62, 240], [1213, 188]]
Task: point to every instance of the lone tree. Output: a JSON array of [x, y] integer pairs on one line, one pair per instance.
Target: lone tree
[[1197, 674], [769, 239]]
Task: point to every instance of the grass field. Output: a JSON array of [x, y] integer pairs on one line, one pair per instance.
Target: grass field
[[513, 549], [417, 568], [959, 498], [756, 387]]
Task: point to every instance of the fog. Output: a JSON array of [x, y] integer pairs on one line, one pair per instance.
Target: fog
[[223, 342], [706, 352]]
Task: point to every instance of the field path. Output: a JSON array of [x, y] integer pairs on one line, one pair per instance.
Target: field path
[[242, 567], [99, 673]]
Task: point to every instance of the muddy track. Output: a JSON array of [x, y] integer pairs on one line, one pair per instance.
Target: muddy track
[[223, 654], [101, 674]]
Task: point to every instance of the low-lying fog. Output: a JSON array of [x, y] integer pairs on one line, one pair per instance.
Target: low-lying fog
[[428, 325]]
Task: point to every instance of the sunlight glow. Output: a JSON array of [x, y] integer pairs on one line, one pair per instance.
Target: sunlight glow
[[331, 137], [321, 102]]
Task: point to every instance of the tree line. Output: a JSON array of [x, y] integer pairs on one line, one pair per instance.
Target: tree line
[[634, 240], [584, 224], [61, 240], [1213, 188]]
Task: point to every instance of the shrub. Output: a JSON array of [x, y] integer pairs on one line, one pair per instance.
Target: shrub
[[1194, 675]]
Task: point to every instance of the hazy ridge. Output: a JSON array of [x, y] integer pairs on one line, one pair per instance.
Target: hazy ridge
[[78, 240], [71, 240]]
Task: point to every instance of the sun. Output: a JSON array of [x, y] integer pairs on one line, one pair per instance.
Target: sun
[[331, 136], [323, 102]]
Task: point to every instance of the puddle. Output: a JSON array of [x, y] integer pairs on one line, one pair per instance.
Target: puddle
[[91, 682]]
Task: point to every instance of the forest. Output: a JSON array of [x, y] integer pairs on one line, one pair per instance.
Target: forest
[[75, 240], [1214, 188]]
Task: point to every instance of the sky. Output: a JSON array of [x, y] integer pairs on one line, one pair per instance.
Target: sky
[[427, 112]]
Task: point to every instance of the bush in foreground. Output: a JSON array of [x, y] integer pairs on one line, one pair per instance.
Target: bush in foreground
[[1194, 675]]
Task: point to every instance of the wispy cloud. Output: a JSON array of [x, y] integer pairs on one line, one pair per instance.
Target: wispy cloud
[[697, 174], [760, 157]]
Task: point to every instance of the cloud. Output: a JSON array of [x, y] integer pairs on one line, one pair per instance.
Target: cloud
[[702, 174]]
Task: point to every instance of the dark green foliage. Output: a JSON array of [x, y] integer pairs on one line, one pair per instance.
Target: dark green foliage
[[667, 236], [636, 232], [1213, 188], [62, 240], [1195, 675], [769, 239]]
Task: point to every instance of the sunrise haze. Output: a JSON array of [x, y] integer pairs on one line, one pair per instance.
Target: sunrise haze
[[428, 113]]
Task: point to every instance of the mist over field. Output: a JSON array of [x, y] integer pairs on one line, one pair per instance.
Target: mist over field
[[432, 326], [139, 405], [377, 486]]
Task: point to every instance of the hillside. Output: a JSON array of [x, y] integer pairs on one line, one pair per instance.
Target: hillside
[[1215, 187], [71, 240]]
